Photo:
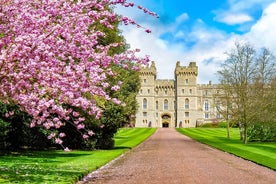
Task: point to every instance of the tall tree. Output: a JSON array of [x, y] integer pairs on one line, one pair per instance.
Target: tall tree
[[51, 59], [247, 76], [238, 72]]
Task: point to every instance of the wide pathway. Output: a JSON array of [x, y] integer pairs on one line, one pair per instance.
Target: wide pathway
[[169, 157]]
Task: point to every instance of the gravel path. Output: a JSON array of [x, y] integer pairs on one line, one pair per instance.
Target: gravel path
[[169, 157]]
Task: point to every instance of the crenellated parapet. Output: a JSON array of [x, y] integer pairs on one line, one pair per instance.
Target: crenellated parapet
[[191, 70], [148, 70], [164, 84]]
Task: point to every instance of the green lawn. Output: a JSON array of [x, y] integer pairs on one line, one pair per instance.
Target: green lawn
[[261, 153], [65, 167]]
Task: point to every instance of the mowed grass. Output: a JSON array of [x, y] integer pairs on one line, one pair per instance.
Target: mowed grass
[[65, 167], [261, 153]]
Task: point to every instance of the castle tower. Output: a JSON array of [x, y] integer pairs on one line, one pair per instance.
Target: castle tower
[[145, 116], [186, 95]]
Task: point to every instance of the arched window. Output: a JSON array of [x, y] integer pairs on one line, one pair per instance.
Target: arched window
[[206, 105], [187, 103], [166, 104], [156, 105], [145, 104]]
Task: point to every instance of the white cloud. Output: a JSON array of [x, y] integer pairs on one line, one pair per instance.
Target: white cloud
[[208, 45], [233, 19], [183, 17], [262, 34]]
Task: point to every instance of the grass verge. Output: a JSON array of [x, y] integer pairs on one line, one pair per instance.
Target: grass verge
[[65, 167], [258, 152]]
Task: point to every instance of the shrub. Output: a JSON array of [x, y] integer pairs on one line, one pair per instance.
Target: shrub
[[264, 132], [222, 125]]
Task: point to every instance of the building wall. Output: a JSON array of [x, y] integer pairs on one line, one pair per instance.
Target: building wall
[[174, 103]]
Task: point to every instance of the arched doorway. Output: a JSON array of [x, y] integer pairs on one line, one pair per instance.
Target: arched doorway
[[166, 119], [165, 125]]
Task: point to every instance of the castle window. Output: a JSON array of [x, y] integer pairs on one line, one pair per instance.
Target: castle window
[[218, 106], [206, 105], [187, 81], [183, 91], [186, 114], [187, 103], [145, 80], [166, 92], [206, 115], [148, 91], [156, 105], [191, 91], [145, 114], [206, 92], [145, 104], [141, 91], [166, 104], [156, 114]]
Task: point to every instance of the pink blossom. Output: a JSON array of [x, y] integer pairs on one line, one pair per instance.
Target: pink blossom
[[80, 126], [67, 149], [85, 136], [58, 141], [7, 115], [120, 83], [76, 114], [116, 101], [52, 135], [90, 133], [115, 88], [62, 134], [46, 66]]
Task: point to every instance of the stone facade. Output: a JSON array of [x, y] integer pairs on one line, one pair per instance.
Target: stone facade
[[175, 103]]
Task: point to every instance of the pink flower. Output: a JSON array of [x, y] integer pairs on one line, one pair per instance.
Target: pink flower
[[148, 30], [90, 133], [7, 115], [120, 83], [76, 114], [32, 125], [58, 141], [115, 88], [67, 149], [62, 134], [116, 101], [85, 136], [80, 126], [52, 135]]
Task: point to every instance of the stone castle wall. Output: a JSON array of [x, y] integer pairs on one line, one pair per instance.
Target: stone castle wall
[[174, 103]]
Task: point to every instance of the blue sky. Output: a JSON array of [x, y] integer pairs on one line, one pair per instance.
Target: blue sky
[[199, 30]]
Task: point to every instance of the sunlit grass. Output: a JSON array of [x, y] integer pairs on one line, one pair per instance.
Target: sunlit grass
[[65, 167], [261, 153]]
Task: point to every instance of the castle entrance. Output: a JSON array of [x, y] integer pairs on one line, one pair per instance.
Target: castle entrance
[[166, 120]]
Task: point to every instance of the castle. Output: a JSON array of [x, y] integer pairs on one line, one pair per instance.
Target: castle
[[175, 103]]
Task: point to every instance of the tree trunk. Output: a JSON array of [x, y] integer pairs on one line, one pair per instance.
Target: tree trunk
[[228, 129], [245, 134]]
